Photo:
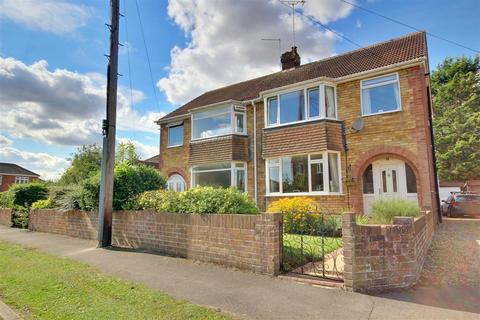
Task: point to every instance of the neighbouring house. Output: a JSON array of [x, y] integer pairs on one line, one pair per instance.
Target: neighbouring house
[[152, 162], [446, 187], [284, 134], [11, 173]]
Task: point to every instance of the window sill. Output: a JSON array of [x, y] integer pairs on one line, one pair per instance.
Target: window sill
[[175, 146], [380, 113], [283, 125], [304, 194], [219, 136]]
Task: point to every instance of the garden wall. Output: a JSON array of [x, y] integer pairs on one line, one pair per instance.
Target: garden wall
[[6, 217], [384, 257], [250, 242]]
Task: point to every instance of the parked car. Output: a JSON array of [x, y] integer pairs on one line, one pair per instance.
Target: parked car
[[461, 204]]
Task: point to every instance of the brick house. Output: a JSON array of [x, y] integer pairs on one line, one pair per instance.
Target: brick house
[[11, 173], [280, 135]]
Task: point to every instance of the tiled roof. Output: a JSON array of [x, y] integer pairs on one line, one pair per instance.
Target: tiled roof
[[154, 159], [407, 48], [15, 170]]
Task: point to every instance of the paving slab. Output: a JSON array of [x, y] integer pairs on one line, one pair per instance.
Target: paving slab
[[244, 294]]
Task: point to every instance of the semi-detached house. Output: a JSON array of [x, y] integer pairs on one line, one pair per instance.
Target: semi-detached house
[[345, 131]]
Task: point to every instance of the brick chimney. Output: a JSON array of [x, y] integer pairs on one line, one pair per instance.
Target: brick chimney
[[290, 59]]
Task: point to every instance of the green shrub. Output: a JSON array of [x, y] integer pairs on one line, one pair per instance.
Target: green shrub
[[20, 217], [6, 199], [383, 211], [28, 193], [43, 204], [362, 219], [199, 200], [130, 180]]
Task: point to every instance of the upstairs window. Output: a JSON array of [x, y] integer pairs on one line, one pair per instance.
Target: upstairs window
[[218, 121], [175, 135], [20, 180], [302, 105], [380, 95]]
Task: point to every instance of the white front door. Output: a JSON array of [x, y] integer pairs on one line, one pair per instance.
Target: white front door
[[389, 182]]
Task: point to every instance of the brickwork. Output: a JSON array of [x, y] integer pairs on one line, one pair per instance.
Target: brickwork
[[384, 257], [8, 180], [249, 242], [175, 160], [295, 139], [78, 224], [400, 135], [6, 217], [221, 149]]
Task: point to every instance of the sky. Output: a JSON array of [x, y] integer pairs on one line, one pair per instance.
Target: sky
[[53, 68]]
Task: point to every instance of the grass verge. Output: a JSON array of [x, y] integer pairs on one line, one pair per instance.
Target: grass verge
[[42, 286], [312, 249]]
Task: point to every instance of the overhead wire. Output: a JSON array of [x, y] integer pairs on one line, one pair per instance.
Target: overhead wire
[[409, 26], [147, 54], [127, 47]]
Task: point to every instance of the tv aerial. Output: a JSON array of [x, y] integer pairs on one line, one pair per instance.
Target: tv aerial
[[293, 3]]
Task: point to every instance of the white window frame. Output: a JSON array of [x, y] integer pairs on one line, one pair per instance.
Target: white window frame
[[176, 178], [21, 179], [1, 180], [362, 87], [326, 173], [234, 109], [168, 135], [233, 173], [306, 102]]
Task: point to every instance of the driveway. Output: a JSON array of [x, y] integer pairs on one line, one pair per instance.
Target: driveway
[[244, 294], [451, 274]]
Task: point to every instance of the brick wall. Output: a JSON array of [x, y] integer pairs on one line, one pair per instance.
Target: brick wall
[[78, 224], [6, 217], [384, 257], [249, 242], [8, 180]]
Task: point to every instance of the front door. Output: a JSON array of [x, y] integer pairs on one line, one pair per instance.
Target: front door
[[387, 177], [389, 182]]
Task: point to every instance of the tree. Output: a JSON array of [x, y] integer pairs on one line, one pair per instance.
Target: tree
[[85, 162], [126, 153], [456, 99]]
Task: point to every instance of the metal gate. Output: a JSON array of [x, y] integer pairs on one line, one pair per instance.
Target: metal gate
[[312, 245]]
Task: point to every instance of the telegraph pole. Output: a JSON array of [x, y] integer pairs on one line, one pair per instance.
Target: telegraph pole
[[109, 128]]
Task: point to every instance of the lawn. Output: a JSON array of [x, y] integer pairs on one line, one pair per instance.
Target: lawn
[[312, 249], [43, 286]]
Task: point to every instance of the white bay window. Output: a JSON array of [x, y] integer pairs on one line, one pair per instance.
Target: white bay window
[[318, 173], [223, 174], [218, 121], [317, 102]]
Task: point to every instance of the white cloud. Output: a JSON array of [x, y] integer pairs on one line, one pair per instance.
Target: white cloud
[[4, 141], [144, 151], [225, 46], [47, 166], [358, 24], [60, 106], [56, 16]]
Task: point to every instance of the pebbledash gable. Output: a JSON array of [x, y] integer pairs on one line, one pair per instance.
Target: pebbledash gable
[[292, 133]]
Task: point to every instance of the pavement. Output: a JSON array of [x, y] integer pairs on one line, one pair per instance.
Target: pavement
[[243, 294]]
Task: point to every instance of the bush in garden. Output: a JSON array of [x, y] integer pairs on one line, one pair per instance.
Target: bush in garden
[[130, 180], [299, 217], [20, 217], [27, 193], [383, 210], [6, 199], [199, 200], [43, 204]]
